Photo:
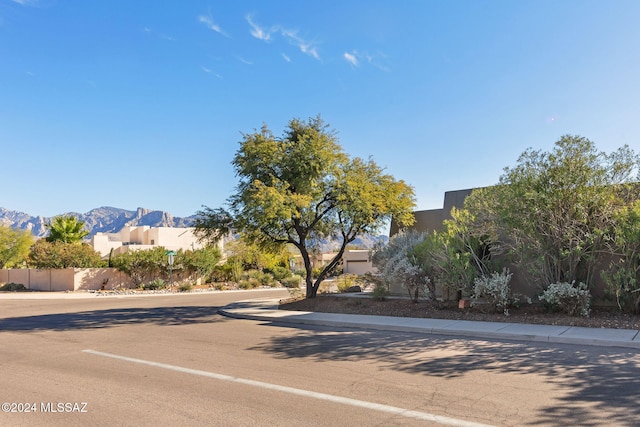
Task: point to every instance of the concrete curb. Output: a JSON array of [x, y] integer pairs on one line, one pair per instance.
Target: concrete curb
[[266, 310]]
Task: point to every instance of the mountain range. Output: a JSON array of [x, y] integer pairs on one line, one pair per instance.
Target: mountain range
[[111, 220], [105, 220]]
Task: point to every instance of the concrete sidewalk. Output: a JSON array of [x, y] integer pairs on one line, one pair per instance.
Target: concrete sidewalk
[[267, 310]]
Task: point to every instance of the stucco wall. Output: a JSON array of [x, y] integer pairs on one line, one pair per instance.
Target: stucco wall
[[357, 261], [145, 237], [67, 279]]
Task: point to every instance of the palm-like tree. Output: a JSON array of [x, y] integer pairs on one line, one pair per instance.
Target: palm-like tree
[[67, 229]]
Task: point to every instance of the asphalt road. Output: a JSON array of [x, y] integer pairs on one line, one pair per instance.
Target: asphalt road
[[172, 360]]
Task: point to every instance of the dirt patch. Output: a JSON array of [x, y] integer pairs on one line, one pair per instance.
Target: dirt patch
[[599, 317]]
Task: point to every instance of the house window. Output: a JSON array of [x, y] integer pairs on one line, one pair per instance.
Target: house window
[[153, 242]]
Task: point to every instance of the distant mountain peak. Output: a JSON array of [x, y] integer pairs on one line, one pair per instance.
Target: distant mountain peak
[[105, 219]]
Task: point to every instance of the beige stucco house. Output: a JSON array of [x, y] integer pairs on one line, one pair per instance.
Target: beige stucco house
[[357, 261], [145, 237]]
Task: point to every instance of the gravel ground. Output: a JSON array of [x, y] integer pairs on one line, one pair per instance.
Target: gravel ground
[[326, 303]]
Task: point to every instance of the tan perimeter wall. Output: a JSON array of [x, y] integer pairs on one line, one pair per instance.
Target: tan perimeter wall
[[67, 279]]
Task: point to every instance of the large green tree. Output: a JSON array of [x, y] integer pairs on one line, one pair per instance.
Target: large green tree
[[554, 212], [58, 254], [302, 187], [623, 274], [14, 246], [142, 265], [66, 229]]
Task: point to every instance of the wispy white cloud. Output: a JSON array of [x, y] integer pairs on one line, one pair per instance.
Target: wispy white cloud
[[151, 32], [30, 73], [207, 20], [356, 58], [257, 31], [351, 58], [210, 71], [244, 61], [24, 2], [266, 34], [305, 46], [286, 57]]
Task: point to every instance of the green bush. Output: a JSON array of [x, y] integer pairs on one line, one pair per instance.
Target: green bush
[[495, 291], [278, 272], [154, 285], [346, 281], [13, 287], [397, 263], [249, 283], [291, 282], [186, 287], [222, 273], [264, 279], [567, 298], [316, 272], [380, 292]]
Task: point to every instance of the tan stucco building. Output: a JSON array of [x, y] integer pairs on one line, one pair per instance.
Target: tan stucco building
[[433, 219], [145, 237]]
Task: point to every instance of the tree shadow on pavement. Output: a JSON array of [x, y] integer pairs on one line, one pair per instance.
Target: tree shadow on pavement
[[594, 380], [112, 317]]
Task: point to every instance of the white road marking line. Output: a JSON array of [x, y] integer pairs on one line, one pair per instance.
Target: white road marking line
[[425, 416]]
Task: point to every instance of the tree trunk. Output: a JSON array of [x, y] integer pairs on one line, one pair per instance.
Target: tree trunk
[[311, 290]]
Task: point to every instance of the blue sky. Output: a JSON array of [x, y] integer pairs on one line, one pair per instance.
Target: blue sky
[[139, 103]]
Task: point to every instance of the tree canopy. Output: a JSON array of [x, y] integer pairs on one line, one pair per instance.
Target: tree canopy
[[14, 246], [44, 254], [303, 187], [66, 229], [554, 212]]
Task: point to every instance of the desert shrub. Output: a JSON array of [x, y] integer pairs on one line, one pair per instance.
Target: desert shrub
[[623, 275], [141, 266], [279, 272], [567, 298], [325, 287], [154, 285], [447, 259], [200, 262], [249, 283], [346, 281], [264, 279], [13, 287], [380, 292], [495, 291], [44, 254], [397, 263], [291, 281], [185, 287], [316, 271], [219, 274]]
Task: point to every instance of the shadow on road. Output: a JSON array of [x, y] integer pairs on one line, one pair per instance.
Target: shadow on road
[[112, 317], [595, 380]]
